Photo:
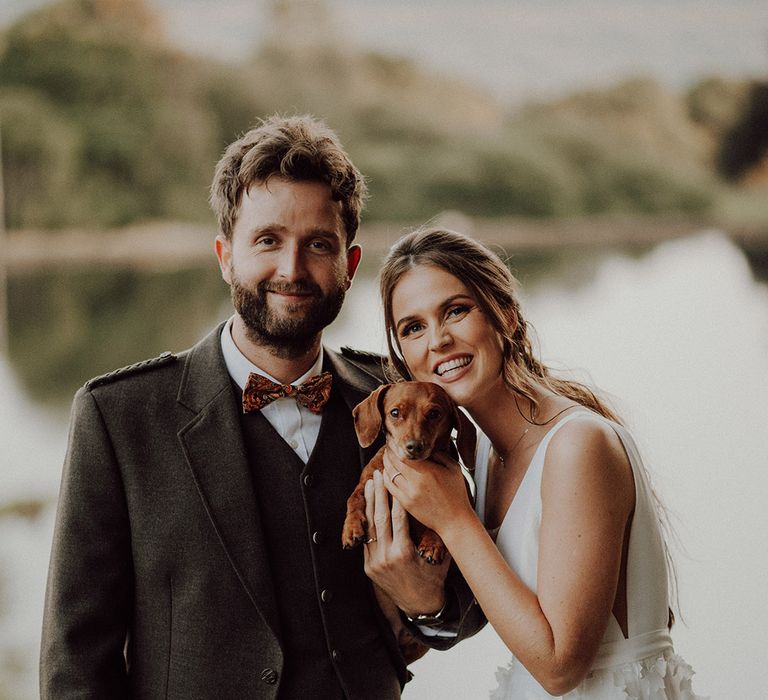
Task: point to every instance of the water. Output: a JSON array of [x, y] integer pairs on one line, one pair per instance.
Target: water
[[677, 335]]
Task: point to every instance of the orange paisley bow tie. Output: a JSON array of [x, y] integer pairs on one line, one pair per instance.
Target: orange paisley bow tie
[[260, 391]]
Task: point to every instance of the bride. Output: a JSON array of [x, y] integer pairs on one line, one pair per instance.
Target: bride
[[563, 548]]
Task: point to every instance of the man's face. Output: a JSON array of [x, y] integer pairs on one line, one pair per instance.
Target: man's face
[[287, 263]]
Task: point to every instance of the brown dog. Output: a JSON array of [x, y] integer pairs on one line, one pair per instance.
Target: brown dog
[[417, 419]]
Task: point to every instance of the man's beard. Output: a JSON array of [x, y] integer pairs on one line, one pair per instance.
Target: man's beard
[[286, 335]]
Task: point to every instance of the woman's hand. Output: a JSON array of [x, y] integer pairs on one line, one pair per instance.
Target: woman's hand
[[391, 560], [432, 491]]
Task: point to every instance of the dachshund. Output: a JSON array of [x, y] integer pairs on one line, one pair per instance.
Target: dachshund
[[417, 419]]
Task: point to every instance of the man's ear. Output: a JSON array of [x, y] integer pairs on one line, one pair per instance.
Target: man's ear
[[224, 255], [354, 253]]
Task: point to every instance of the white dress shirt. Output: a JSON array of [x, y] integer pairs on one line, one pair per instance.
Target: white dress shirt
[[295, 423]]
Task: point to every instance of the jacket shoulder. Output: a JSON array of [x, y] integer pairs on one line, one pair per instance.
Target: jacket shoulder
[[162, 360], [369, 362]]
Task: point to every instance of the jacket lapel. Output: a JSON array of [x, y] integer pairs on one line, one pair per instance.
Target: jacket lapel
[[212, 443], [354, 384]]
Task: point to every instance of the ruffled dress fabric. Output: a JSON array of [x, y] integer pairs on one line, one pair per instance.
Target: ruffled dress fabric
[[642, 666], [663, 676]]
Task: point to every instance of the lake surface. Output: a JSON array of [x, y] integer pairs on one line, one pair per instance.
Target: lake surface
[[676, 335]]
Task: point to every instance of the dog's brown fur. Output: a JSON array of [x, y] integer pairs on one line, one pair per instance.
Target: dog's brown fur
[[417, 419]]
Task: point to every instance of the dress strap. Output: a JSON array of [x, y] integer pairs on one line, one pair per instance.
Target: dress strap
[[551, 432], [537, 461]]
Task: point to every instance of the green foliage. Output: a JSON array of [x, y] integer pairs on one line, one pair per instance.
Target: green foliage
[[123, 127], [499, 182], [717, 103], [40, 149], [746, 143], [104, 124]]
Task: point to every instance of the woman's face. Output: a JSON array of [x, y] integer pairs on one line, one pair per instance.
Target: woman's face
[[444, 336]]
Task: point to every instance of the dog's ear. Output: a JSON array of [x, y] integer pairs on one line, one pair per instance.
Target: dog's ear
[[466, 440], [367, 416]]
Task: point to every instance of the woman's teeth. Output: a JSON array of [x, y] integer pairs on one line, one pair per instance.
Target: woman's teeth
[[444, 367]]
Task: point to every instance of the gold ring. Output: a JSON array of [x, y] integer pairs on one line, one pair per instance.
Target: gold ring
[[396, 475], [370, 539]]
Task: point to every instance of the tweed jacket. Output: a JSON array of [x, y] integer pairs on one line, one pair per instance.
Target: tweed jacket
[[159, 584]]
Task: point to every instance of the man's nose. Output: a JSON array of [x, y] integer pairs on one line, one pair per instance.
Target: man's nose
[[290, 264]]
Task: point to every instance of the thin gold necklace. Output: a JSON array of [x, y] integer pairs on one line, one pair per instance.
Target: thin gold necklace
[[512, 450], [524, 433]]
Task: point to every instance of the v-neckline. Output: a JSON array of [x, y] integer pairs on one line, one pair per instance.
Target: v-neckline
[[523, 481], [517, 491]]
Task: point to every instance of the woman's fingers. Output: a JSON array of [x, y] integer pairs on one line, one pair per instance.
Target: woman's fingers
[[395, 475], [381, 516], [369, 509], [401, 534]]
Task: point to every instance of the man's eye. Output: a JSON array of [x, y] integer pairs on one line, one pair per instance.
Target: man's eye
[[266, 241], [320, 245], [434, 414], [395, 413]]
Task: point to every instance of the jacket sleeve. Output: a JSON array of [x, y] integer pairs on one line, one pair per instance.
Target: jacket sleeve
[[89, 593], [463, 616]]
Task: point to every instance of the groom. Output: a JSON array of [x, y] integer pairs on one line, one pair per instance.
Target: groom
[[197, 544]]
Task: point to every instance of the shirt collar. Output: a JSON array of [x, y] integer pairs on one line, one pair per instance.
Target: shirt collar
[[239, 366]]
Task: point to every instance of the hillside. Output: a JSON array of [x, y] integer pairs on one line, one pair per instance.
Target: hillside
[[105, 124]]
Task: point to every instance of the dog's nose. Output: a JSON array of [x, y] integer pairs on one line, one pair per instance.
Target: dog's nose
[[414, 448]]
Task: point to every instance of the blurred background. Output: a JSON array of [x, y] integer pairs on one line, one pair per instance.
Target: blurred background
[[616, 152]]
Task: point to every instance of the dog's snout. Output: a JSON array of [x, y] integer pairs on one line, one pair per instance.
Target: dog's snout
[[414, 448]]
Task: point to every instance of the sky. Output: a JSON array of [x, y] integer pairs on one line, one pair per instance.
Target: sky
[[517, 50]]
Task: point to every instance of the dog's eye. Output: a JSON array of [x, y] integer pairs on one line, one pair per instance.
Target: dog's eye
[[395, 412], [434, 414]]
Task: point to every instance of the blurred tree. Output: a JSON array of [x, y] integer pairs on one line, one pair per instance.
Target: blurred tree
[[40, 152], [141, 137], [745, 146], [717, 104], [105, 124], [632, 147]]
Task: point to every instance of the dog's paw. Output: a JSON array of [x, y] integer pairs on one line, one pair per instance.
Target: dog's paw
[[433, 554], [431, 548], [355, 530]]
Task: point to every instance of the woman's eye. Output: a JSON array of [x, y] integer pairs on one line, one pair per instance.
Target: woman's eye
[[434, 414], [411, 328], [457, 310], [395, 412]]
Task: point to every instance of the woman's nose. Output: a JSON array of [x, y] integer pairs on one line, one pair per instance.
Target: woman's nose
[[439, 338]]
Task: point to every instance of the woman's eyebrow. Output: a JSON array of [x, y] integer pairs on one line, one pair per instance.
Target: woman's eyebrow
[[441, 306]]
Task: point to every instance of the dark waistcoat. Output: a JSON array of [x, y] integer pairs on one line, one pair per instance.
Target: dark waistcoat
[[329, 626]]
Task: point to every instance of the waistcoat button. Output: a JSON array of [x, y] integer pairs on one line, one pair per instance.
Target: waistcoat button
[[317, 538], [326, 596], [308, 480], [269, 675]]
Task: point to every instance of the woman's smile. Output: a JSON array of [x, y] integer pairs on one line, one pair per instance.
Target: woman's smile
[[447, 368]]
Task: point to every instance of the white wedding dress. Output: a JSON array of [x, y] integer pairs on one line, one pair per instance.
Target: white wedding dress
[[643, 666]]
